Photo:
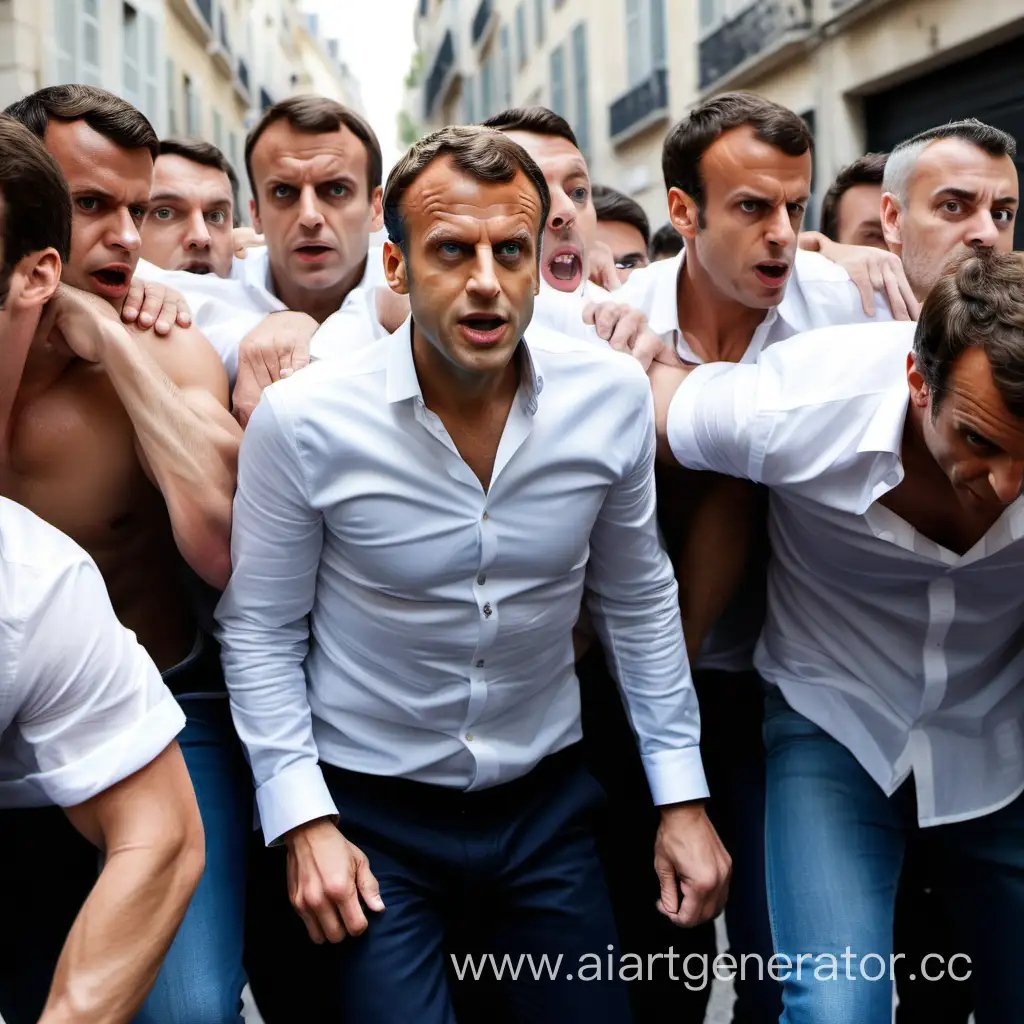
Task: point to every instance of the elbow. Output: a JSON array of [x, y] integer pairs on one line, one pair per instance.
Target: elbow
[[203, 537]]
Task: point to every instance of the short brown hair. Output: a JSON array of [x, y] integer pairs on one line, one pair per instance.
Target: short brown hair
[[535, 120], [482, 153], [666, 241], [866, 170], [611, 204], [318, 115], [207, 155], [978, 303], [34, 198], [105, 113], [686, 144]]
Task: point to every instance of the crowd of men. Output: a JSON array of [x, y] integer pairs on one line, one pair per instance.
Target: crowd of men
[[349, 594]]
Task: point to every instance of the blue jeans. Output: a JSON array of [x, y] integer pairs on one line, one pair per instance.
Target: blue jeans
[[202, 978], [835, 845]]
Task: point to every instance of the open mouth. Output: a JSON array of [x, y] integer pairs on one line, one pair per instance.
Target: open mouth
[[566, 266], [772, 273], [197, 268], [483, 328], [111, 281]]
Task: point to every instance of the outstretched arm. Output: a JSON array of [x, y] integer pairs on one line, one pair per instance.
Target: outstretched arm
[[149, 829]]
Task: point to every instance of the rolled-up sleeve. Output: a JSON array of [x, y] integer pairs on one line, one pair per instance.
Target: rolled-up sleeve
[[713, 421], [97, 710], [263, 616], [633, 600]]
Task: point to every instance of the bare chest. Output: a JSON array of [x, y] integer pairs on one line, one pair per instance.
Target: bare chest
[[940, 517], [72, 460]]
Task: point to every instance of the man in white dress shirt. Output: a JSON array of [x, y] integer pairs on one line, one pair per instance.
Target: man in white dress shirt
[[314, 170], [894, 632], [425, 513]]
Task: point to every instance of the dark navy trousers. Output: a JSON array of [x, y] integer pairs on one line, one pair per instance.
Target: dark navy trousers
[[481, 883]]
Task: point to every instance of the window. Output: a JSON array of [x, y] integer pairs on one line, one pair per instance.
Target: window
[[172, 98], [77, 41], [538, 7], [506, 68], [558, 81], [645, 39], [130, 55], [487, 86], [581, 92], [139, 63], [89, 69], [710, 14], [193, 125], [521, 34]]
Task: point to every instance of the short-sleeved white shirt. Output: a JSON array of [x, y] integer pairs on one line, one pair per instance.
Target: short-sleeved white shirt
[[82, 705]]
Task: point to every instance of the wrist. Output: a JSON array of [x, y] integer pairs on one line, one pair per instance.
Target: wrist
[[308, 828], [684, 811]]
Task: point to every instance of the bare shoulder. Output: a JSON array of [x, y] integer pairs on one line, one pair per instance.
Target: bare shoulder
[[188, 359]]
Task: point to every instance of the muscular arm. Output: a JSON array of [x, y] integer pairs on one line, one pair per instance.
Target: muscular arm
[[149, 829], [176, 392]]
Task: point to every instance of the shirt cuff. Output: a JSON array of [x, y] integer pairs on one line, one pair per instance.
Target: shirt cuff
[[675, 775], [291, 798], [139, 744], [680, 427]]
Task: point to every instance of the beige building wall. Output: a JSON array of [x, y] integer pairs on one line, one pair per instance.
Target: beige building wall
[[576, 58], [205, 68], [824, 58]]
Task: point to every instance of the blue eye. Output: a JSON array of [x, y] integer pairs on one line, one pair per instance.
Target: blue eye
[[749, 205], [510, 249], [281, 191], [450, 248], [339, 190], [579, 195]]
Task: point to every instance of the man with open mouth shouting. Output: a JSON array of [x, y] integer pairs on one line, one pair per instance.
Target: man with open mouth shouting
[[123, 441]]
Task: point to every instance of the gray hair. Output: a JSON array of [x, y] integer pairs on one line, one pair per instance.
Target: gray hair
[[903, 159]]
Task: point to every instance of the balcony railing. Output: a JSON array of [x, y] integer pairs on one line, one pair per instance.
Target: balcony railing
[[762, 26], [644, 105], [443, 63], [206, 10], [482, 19]]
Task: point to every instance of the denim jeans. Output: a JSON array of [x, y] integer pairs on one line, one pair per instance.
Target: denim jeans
[[835, 845], [202, 978]]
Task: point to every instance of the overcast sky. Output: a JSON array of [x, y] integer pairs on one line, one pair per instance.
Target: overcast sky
[[377, 44]]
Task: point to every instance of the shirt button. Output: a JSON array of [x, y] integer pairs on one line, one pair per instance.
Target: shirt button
[[469, 737], [485, 516], [487, 610], [481, 579], [480, 663]]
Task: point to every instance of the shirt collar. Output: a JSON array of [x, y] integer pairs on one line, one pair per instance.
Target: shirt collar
[[403, 383], [663, 318]]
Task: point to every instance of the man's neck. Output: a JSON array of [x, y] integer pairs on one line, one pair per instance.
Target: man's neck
[[449, 390], [319, 303], [717, 328]]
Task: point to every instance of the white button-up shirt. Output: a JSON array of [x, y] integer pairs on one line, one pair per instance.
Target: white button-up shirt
[[225, 310], [82, 706], [441, 614], [819, 293], [910, 655]]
